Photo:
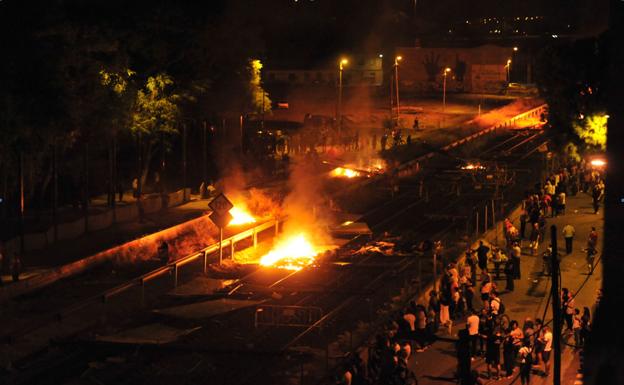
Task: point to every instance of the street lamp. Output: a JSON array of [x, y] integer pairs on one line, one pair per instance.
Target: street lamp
[[396, 79], [342, 63], [446, 71], [508, 66]]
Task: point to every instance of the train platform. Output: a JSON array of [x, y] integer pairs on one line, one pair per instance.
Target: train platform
[[438, 364]]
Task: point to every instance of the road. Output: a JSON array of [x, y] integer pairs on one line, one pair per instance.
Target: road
[[436, 366]]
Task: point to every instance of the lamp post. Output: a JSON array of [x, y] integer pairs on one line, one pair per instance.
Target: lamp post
[[508, 66], [446, 71], [396, 85], [342, 63]]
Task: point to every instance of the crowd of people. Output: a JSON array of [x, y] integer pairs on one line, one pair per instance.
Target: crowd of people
[[509, 347]]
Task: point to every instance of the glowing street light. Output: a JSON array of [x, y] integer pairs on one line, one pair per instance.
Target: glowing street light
[[343, 62], [396, 79], [508, 66], [446, 71]]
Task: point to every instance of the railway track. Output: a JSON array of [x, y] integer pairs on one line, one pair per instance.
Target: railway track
[[343, 278]]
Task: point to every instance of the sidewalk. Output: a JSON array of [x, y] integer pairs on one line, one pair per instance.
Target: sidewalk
[[437, 365], [67, 251]]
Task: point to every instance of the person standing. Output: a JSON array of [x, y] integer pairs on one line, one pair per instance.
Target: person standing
[[492, 353], [567, 304], [523, 220], [482, 256], [585, 325], [509, 274], [163, 252], [516, 252], [546, 340], [568, 235], [16, 267], [463, 348], [526, 361], [597, 193], [509, 358], [472, 324], [561, 203]]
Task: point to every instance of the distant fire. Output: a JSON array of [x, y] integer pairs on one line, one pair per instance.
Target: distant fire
[[292, 253], [473, 166], [345, 173], [240, 217]]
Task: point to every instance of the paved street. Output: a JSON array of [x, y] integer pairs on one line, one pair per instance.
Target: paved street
[[437, 365]]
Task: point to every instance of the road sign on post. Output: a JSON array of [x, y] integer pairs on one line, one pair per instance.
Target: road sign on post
[[221, 217], [220, 205]]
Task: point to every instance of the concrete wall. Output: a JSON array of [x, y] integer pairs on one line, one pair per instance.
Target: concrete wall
[[140, 248], [72, 230]]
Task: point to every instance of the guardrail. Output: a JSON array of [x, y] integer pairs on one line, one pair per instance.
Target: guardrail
[[141, 281]]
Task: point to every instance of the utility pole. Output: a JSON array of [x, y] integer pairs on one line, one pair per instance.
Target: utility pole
[[21, 201], [556, 306], [55, 188], [184, 176]]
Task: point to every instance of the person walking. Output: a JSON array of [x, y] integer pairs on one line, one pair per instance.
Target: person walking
[[592, 243], [535, 238], [568, 235]]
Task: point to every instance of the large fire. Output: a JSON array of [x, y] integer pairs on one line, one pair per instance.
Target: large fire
[[240, 217], [292, 253], [345, 172]]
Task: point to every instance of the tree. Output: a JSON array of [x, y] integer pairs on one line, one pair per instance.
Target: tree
[[154, 119], [570, 77], [259, 98]]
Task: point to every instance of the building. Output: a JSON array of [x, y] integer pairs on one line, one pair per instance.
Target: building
[[479, 69], [358, 72]]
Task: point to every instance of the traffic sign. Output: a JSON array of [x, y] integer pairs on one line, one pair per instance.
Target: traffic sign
[[221, 205], [220, 220]]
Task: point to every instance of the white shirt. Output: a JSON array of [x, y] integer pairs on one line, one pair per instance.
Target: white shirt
[[473, 324], [548, 341], [495, 305]]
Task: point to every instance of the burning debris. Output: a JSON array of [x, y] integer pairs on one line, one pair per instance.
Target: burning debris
[[292, 253], [380, 247], [473, 166], [343, 172], [240, 216]]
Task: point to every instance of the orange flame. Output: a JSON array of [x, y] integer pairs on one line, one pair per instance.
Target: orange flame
[[345, 172], [292, 253], [240, 216]]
